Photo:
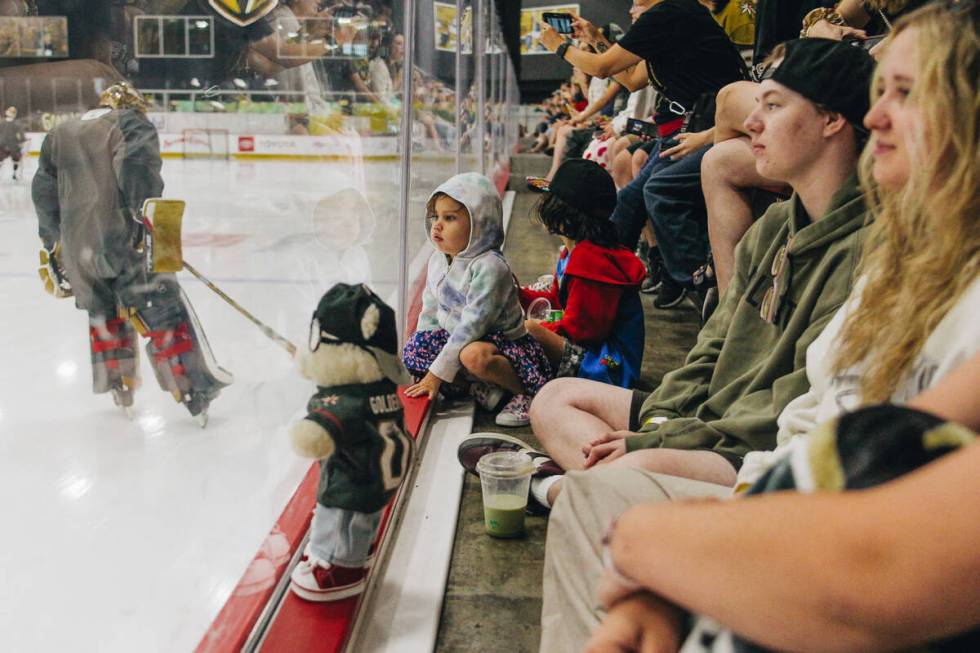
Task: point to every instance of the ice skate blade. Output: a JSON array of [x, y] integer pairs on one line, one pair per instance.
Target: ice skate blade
[[201, 419], [128, 411]]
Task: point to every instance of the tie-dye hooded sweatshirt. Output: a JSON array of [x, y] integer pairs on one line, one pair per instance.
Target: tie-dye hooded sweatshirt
[[473, 293]]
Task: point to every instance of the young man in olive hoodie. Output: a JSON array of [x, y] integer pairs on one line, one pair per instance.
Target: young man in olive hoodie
[[794, 269]]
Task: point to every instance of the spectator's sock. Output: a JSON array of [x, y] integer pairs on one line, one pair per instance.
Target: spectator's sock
[[540, 487]]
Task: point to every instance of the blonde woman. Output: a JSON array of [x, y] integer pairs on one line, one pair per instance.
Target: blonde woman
[[893, 566]]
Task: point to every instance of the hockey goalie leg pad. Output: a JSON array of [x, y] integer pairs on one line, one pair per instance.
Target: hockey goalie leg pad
[[115, 361], [181, 357]]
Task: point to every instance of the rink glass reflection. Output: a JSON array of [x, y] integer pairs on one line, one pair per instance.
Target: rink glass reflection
[[286, 138]]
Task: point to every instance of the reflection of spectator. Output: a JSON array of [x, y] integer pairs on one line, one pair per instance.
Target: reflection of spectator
[[8, 38], [12, 139], [286, 20]]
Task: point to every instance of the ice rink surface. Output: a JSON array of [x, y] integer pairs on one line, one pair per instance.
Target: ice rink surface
[[127, 535]]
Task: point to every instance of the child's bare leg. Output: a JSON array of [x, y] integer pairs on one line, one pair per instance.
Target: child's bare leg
[[485, 362], [552, 343]]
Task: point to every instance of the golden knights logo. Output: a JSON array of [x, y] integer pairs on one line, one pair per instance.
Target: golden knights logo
[[243, 12]]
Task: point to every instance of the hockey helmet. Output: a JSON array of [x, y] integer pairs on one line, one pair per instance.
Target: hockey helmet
[[243, 12], [122, 96], [11, 113]]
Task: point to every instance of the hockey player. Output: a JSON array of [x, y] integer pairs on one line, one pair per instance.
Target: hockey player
[[12, 139], [93, 175]]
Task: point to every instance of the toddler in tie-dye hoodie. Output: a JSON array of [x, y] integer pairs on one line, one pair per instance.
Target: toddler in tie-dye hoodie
[[471, 328]]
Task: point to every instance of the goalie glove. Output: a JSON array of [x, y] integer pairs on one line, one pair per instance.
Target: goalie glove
[[52, 274]]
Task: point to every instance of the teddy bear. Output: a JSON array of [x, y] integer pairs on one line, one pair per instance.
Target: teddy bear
[[354, 427]]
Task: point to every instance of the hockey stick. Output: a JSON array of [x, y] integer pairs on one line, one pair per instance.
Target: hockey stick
[[264, 328], [162, 220]]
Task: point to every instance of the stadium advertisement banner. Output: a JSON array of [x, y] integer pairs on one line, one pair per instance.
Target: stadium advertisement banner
[[445, 28]]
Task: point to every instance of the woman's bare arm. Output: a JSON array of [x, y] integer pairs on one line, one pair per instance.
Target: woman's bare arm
[[865, 571], [870, 570]]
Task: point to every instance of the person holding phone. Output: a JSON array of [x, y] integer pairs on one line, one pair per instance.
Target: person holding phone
[[687, 57]]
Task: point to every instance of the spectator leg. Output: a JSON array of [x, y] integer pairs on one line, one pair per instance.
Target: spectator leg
[[639, 160], [559, 154], [704, 466], [573, 551], [728, 175], [674, 201], [569, 413], [619, 161], [630, 214]]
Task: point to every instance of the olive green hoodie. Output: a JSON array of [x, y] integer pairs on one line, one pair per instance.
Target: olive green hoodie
[[744, 370]]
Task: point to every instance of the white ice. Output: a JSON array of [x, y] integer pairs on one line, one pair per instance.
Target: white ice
[[126, 535]]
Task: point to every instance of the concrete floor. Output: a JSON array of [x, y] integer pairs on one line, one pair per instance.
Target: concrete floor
[[493, 596]]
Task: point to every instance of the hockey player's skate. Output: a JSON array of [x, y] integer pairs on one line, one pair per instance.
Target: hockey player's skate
[[115, 361], [123, 396]]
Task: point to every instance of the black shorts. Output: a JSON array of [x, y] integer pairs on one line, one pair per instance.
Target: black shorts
[[636, 403], [646, 146]]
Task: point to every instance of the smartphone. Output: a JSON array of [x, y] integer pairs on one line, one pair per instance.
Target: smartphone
[[866, 44], [869, 43], [561, 22], [641, 128]]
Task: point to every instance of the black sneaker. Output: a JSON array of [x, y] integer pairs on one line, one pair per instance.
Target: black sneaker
[[655, 273], [671, 294]]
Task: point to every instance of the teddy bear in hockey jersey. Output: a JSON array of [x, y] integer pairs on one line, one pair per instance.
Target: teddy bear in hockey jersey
[[354, 427]]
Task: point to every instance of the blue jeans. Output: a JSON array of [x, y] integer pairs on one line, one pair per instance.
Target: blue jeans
[[343, 537], [675, 204], [630, 214]]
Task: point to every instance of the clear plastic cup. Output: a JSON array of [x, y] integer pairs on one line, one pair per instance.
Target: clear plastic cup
[[505, 477], [539, 309], [544, 282]]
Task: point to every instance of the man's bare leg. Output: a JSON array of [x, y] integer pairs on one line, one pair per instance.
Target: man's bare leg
[[569, 413], [728, 176]]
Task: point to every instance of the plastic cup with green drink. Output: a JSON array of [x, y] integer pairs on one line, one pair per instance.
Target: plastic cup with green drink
[[505, 477]]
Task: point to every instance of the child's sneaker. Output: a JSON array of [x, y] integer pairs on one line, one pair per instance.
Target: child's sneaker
[[515, 413], [368, 562], [487, 395], [538, 184], [315, 580]]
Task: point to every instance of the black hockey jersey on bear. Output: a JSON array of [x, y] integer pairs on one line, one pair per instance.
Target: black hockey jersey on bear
[[372, 450]]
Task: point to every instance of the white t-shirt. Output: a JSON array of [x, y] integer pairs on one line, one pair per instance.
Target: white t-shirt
[[955, 338]]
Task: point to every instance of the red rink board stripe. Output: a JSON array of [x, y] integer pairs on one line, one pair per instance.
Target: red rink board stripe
[[300, 625]]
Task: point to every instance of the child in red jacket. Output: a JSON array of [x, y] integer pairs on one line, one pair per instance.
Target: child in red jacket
[[600, 334]]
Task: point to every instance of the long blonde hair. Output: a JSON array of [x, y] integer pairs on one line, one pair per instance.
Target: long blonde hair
[[923, 250]]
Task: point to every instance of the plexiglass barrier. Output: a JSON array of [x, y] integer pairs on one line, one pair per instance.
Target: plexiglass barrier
[[305, 145]]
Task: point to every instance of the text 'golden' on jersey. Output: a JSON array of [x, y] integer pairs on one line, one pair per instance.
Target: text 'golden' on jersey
[[385, 404]]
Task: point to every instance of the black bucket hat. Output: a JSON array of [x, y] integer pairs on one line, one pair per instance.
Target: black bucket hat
[[342, 316]]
